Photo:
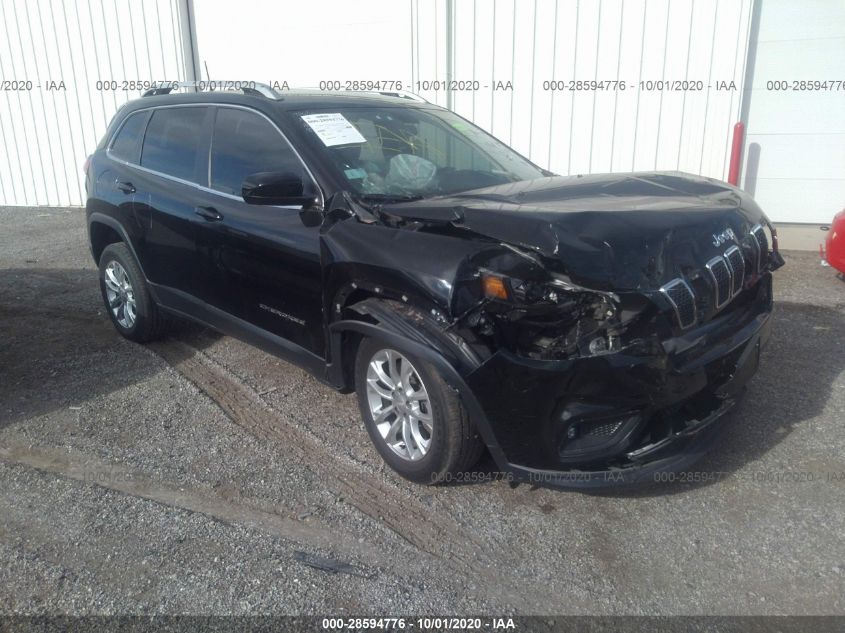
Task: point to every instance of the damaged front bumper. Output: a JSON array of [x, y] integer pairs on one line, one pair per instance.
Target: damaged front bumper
[[620, 418]]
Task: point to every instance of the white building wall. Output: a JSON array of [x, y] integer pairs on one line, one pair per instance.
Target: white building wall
[[48, 133], [525, 42], [795, 150], [304, 43], [46, 130], [531, 41]]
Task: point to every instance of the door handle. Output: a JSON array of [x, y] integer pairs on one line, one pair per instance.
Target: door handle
[[125, 187], [209, 213]]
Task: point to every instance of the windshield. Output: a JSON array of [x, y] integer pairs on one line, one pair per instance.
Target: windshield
[[392, 152]]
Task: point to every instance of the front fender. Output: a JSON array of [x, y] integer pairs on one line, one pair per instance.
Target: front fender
[[418, 334]]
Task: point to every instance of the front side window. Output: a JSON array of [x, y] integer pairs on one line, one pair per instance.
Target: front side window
[[404, 151], [246, 143], [127, 144], [172, 141]]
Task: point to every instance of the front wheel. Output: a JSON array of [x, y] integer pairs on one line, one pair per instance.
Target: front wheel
[[415, 420]]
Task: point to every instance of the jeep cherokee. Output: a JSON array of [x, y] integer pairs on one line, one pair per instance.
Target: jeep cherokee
[[587, 330]]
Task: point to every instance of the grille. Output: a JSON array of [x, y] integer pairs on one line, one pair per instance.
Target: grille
[[736, 261], [727, 274], [722, 281], [761, 244], [681, 297], [604, 430]]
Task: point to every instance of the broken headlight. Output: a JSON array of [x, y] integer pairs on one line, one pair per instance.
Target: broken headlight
[[547, 319]]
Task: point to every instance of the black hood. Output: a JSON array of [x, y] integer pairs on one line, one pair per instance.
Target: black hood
[[614, 231]]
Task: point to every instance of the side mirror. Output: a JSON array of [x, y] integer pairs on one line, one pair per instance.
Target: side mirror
[[277, 188]]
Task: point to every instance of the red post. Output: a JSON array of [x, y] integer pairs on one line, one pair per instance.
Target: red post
[[736, 154]]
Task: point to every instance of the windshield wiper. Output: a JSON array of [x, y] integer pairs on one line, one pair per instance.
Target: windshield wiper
[[389, 197]]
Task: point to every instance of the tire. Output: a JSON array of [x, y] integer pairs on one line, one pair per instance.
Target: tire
[[123, 285], [453, 445]]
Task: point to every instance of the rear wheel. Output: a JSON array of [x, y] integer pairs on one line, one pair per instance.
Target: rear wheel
[[126, 296], [415, 420]]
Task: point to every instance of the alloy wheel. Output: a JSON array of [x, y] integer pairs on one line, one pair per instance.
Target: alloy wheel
[[399, 404], [120, 295]]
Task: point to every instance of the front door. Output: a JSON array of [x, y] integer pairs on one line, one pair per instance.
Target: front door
[[262, 263]]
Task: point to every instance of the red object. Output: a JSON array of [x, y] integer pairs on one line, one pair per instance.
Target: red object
[[736, 154], [835, 242]]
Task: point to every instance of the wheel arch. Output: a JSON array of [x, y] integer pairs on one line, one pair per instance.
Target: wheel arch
[[104, 230], [101, 235], [412, 320], [350, 299], [411, 330]]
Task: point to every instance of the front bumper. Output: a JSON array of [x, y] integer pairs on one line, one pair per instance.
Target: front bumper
[[621, 418]]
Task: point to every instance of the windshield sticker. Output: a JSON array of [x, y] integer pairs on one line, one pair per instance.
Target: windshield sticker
[[333, 129]]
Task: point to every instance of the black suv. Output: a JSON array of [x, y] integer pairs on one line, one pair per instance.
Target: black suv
[[587, 330]]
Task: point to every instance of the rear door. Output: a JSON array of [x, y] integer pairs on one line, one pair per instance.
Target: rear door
[[262, 264], [173, 162], [114, 187]]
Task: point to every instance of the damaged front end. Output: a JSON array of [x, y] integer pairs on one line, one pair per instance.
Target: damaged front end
[[623, 398], [608, 345], [591, 386]]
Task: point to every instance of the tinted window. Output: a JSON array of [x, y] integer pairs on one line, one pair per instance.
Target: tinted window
[[172, 141], [127, 143], [245, 143]]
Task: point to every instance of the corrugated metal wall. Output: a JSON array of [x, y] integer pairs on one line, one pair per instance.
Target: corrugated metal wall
[[65, 68], [584, 130], [517, 46]]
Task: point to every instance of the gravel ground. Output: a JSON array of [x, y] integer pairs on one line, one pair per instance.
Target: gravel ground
[[200, 475]]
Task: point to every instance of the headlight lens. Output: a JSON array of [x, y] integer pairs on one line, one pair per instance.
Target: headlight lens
[[549, 293], [494, 287], [518, 291]]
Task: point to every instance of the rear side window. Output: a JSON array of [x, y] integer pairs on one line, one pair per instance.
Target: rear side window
[[245, 143], [127, 143], [172, 141]]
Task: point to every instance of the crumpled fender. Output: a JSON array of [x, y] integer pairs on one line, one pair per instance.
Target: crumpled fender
[[415, 326], [419, 334]]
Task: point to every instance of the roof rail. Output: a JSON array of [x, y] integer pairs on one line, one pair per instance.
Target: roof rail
[[403, 94], [247, 87]]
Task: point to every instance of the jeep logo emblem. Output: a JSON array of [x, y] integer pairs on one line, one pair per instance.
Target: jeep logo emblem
[[724, 236]]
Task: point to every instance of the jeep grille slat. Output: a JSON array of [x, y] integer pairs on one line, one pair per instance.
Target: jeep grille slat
[[720, 273], [682, 298], [736, 262]]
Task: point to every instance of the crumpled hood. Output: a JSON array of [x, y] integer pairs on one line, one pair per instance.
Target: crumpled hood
[[614, 232]]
